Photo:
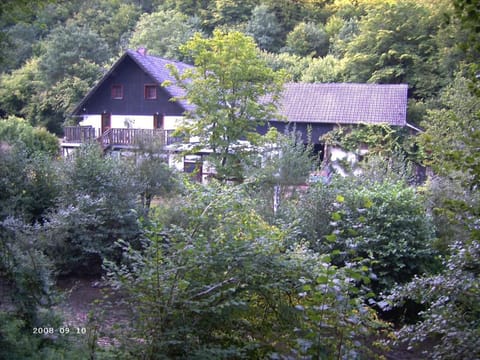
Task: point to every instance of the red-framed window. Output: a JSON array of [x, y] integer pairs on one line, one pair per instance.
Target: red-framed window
[[150, 92], [117, 91]]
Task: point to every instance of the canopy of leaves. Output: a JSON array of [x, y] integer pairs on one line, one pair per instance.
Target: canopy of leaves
[[112, 20], [228, 87], [70, 51], [326, 69], [222, 276], [382, 222], [394, 46], [307, 39], [264, 28], [452, 130], [14, 130], [452, 312], [162, 33]]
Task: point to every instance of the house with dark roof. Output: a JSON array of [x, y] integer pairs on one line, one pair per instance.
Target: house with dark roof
[[129, 103], [315, 108]]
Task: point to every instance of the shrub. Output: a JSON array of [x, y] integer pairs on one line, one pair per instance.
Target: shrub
[[97, 207], [385, 223], [30, 186], [14, 130], [219, 283], [450, 322], [25, 269]]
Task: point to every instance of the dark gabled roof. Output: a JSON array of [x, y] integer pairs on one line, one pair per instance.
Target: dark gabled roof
[[344, 103], [155, 67]]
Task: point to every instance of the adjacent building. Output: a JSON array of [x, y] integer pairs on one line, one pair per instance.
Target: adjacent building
[[129, 104]]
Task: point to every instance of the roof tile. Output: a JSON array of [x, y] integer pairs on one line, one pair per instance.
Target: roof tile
[[345, 103]]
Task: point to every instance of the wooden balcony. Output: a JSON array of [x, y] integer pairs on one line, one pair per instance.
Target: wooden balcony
[[79, 134], [118, 138]]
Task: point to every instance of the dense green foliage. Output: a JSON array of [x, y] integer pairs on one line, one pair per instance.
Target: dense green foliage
[[227, 86], [16, 131], [29, 184], [452, 306], [59, 50], [172, 29], [219, 282], [383, 223], [277, 266]]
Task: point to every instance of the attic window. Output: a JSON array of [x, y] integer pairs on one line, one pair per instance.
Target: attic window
[[117, 91], [150, 92]]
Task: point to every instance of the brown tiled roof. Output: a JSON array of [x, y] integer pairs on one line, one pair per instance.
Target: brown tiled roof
[[344, 103]]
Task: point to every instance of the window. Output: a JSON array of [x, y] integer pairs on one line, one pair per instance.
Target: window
[[194, 167], [150, 92], [117, 91]]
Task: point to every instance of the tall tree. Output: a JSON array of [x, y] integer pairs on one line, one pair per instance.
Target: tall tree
[[72, 51], [308, 39], [229, 12], [163, 32], [113, 20], [468, 12], [11, 13], [450, 131], [46, 88], [264, 27], [395, 44], [228, 87]]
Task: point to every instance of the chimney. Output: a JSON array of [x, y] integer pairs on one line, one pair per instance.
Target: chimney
[[142, 51]]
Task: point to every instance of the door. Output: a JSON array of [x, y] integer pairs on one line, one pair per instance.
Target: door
[[106, 122], [158, 121]]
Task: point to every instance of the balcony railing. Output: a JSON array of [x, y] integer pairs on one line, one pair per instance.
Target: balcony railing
[[132, 137], [120, 137], [174, 139], [79, 134]]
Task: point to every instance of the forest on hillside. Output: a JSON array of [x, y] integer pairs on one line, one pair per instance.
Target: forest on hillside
[[53, 52], [368, 266]]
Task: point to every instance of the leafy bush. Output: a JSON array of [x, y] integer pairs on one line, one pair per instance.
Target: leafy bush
[[307, 39], [451, 321], [29, 182], [152, 176], [208, 286], [25, 269], [286, 164], [336, 322], [97, 207], [385, 223], [28, 299], [219, 283], [15, 130], [27, 293]]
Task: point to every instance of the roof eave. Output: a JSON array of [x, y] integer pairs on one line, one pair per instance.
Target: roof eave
[[77, 108]]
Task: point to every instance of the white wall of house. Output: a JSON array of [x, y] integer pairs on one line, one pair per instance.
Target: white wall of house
[[91, 120], [339, 157], [131, 121], [172, 122]]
